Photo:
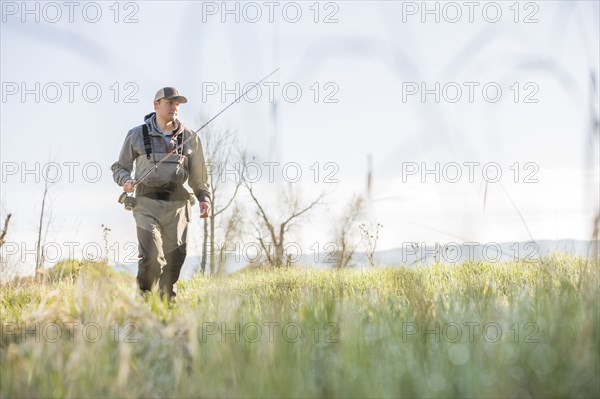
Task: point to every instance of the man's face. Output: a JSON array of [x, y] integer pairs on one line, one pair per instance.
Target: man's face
[[167, 109]]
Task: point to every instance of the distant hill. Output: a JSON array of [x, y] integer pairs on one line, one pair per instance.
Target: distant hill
[[411, 256]]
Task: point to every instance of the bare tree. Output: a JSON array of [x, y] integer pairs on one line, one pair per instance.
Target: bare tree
[[232, 233], [218, 152], [344, 232], [7, 268], [4, 230], [204, 246], [267, 229]]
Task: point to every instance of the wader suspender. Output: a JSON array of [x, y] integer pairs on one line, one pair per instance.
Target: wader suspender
[[148, 147], [179, 143]]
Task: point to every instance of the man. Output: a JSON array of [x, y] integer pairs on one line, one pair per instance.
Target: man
[[162, 208]]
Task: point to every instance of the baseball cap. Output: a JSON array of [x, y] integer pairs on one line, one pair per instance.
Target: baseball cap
[[170, 93]]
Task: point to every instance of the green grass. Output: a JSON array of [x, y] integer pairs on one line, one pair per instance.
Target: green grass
[[362, 333]]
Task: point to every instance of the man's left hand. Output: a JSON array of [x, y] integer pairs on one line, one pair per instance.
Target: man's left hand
[[204, 209]]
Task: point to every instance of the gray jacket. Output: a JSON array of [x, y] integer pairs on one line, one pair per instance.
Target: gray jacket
[[175, 171]]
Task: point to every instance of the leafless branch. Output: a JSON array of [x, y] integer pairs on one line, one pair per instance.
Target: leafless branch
[[5, 230], [278, 231]]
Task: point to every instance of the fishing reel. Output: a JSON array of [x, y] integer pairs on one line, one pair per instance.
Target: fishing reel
[[127, 200]]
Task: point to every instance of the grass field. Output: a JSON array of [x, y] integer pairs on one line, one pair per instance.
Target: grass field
[[470, 330]]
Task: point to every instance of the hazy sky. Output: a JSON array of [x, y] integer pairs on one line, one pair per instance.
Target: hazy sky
[[413, 84]]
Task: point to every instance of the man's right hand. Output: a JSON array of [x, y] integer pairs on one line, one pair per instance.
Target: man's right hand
[[129, 186]]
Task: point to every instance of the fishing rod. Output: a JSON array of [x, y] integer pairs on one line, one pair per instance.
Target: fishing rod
[[123, 198]]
